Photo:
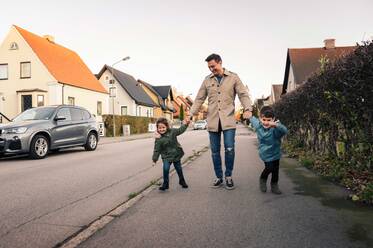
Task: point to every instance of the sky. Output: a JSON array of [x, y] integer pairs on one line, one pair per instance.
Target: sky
[[168, 40]]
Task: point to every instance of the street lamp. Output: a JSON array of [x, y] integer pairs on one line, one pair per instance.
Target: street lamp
[[112, 88]]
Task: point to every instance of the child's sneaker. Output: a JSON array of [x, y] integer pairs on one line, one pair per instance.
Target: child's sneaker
[[183, 184], [218, 182], [263, 185], [164, 187], [275, 189], [229, 183]]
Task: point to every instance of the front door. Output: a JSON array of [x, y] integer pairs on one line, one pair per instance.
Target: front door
[[26, 102]]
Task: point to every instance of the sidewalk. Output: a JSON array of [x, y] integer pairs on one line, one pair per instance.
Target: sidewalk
[[244, 217], [109, 140]]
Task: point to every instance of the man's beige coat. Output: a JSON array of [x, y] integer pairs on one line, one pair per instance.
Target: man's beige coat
[[221, 100]]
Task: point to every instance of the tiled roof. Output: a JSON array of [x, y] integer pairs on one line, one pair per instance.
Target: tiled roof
[[306, 61], [64, 64], [131, 86], [163, 91]]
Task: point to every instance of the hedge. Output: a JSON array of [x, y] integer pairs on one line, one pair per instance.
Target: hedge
[[137, 124], [331, 114]]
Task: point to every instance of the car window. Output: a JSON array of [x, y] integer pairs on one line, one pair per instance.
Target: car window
[[86, 115], [76, 114], [64, 112]]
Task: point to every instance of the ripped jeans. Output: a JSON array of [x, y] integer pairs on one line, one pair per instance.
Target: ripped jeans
[[215, 140]]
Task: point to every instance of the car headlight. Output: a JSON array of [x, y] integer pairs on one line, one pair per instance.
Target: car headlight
[[17, 130]]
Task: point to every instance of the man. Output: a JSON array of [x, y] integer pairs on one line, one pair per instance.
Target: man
[[221, 87]]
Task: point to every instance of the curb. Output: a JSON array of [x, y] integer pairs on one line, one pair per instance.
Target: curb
[[98, 224]]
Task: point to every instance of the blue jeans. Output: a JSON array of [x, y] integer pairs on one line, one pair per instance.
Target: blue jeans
[[215, 138], [166, 170]]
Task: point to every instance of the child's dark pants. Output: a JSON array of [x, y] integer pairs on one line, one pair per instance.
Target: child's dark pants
[[271, 167], [166, 171]]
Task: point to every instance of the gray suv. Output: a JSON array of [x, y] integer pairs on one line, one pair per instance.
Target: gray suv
[[38, 131]]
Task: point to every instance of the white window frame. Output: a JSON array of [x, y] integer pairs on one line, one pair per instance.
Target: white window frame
[[125, 107], [22, 70], [38, 97], [99, 108], [71, 99], [6, 71]]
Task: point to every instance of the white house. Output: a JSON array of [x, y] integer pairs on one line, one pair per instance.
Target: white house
[[128, 97], [36, 71]]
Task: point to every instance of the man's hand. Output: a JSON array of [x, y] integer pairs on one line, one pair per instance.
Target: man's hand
[[154, 163], [247, 114]]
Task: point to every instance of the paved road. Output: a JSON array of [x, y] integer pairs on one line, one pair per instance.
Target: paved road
[[310, 213], [42, 202]]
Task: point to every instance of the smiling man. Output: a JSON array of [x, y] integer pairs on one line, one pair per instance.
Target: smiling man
[[221, 88]]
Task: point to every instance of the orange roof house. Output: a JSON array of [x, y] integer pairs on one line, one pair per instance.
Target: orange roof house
[[64, 64], [36, 71]]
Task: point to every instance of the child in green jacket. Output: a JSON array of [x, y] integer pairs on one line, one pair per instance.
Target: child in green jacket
[[171, 151], [269, 133]]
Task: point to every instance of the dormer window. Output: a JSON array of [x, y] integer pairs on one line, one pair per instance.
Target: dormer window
[[13, 46]]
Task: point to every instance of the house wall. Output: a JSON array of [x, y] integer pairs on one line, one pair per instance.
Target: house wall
[[157, 111], [122, 97], [291, 80], [40, 76], [87, 99], [144, 111]]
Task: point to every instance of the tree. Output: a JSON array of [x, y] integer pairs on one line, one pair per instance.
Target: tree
[[181, 114]]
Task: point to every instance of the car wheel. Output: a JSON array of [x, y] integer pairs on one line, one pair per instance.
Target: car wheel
[[91, 143], [39, 147]]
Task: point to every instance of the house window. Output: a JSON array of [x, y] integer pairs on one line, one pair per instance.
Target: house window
[[25, 69], [71, 100], [3, 71], [99, 108], [40, 100], [139, 111], [123, 110]]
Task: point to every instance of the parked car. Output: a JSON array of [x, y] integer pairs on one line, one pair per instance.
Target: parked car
[[38, 131], [201, 124]]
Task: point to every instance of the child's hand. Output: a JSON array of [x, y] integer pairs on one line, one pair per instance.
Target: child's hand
[[156, 135], [186, 121], [154, 163], [273, 123]]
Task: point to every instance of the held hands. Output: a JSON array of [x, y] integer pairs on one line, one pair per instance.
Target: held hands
[[247, 114], [154, 163]]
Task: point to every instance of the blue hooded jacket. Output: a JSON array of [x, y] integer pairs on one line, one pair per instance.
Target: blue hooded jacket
[[269, 140]]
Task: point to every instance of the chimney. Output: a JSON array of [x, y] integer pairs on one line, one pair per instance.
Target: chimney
[[49, 38], [329, 43]]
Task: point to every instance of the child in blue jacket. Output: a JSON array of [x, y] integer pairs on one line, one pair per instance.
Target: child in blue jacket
[[269, 133]]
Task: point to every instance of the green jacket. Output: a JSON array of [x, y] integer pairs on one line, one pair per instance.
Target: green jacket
[[167, 145]]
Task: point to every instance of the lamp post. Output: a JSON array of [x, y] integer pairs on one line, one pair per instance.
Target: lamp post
[[112, 88]]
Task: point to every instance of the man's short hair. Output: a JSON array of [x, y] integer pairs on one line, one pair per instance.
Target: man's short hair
[[213, 56], [267, 112]]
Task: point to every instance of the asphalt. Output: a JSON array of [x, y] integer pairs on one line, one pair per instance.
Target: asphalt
[[244, 217]]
